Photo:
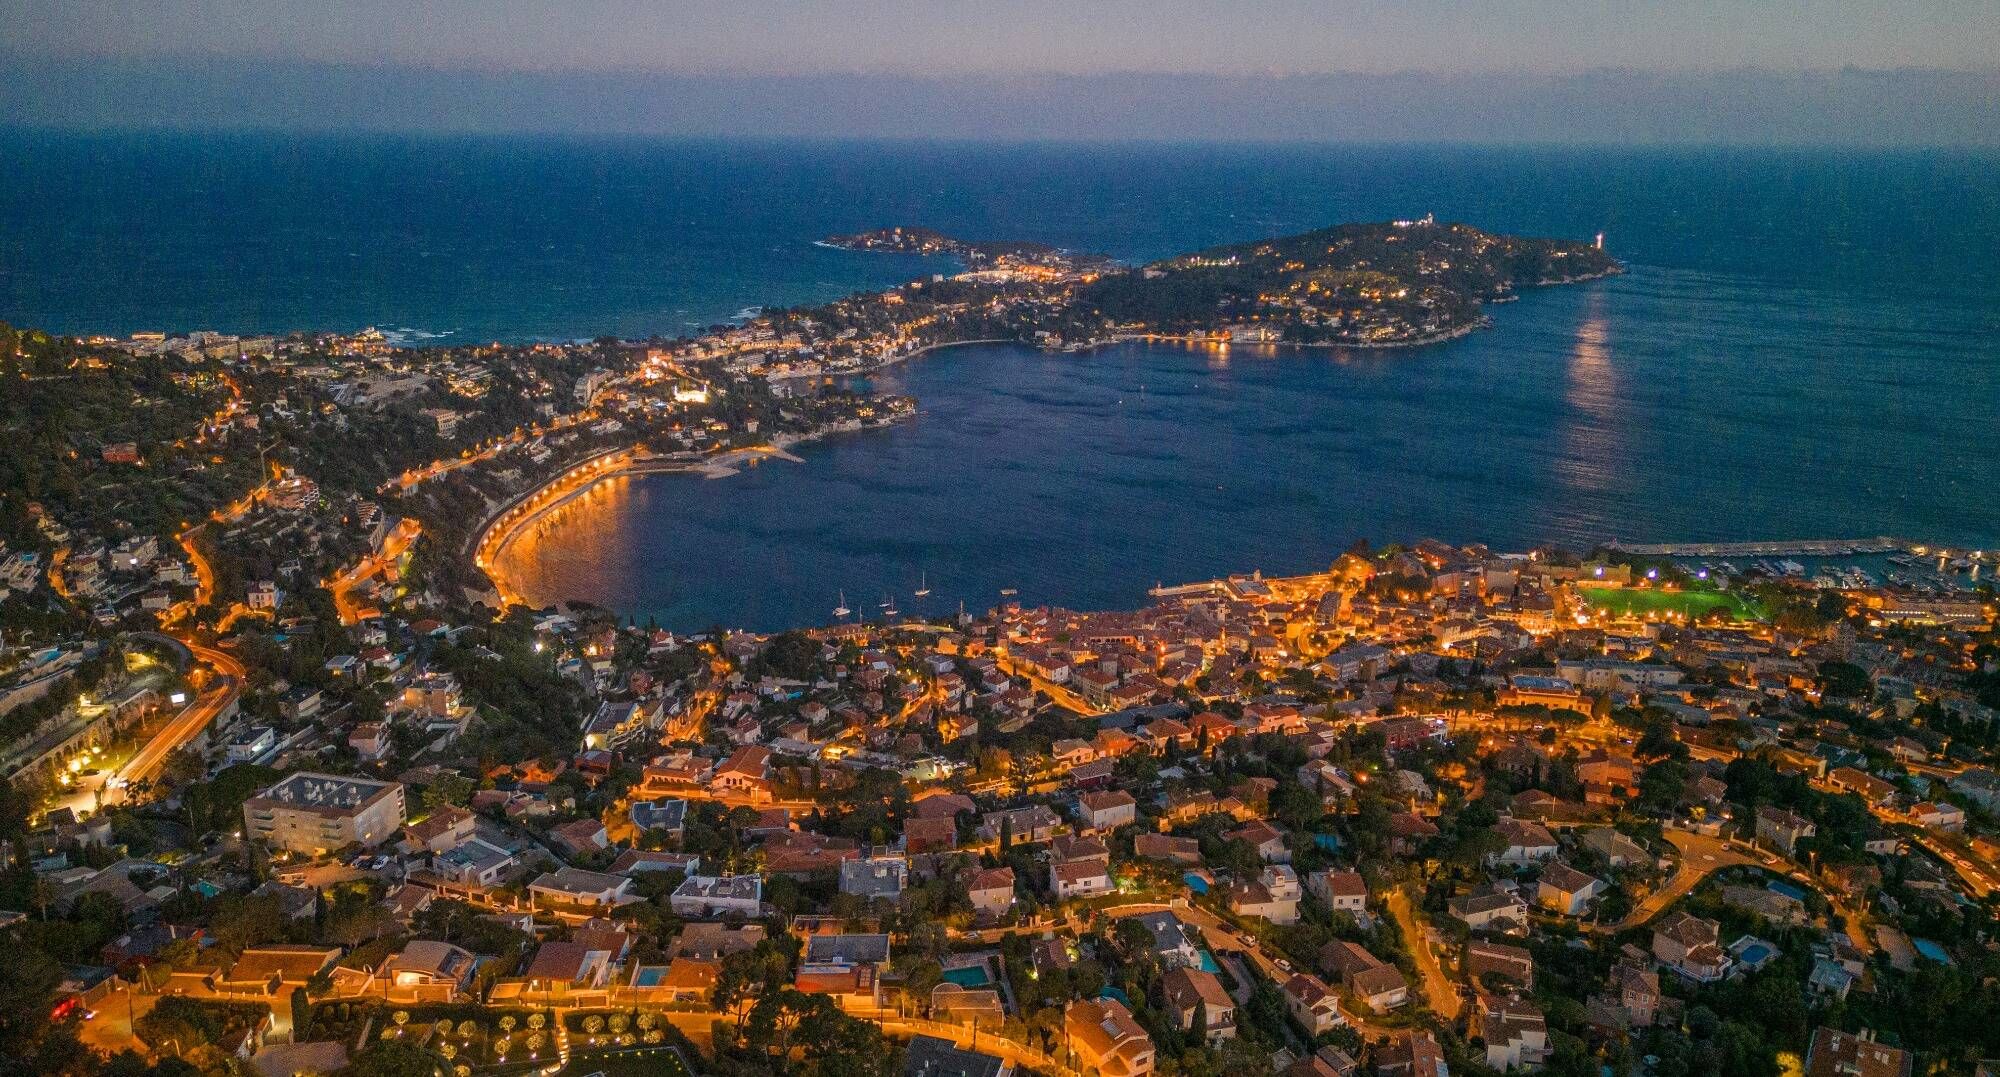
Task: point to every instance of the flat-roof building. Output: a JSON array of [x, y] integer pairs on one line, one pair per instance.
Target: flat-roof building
[[317, 813]]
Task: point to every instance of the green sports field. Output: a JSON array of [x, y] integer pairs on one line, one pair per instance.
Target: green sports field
[[1638, 602]]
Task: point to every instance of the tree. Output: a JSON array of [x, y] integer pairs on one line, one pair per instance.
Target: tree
[[353, 921], [1295, 806], [177, 1025], [1659, 740], [1235, 856], [301, 1016], [1134, 938], [1197, 1030], [921, 976], [1473, 845], [1844, 680], [1266, 1012], [448, 789], [1661, 786], [830, 1043], [392, 1058], [28, 1042], [239, 921], [182, 766], [733, 988]]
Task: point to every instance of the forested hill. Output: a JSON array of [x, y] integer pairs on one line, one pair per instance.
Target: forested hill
[[108, 441], [1456, 255], [1354, 283]]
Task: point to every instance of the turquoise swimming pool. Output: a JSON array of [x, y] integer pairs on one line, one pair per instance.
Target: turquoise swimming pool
[[968, 976]]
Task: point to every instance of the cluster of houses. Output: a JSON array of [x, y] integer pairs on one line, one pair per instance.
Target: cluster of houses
[[1017, 737]]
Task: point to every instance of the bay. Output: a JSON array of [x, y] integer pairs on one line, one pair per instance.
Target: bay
[[1805, 346]]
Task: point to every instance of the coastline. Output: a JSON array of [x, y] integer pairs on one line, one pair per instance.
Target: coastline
[[1440, 337], [489, 543], [940, 346], [505, 523]]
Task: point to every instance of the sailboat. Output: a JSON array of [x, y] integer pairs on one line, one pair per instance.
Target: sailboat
[[923, 585], [842, 610]]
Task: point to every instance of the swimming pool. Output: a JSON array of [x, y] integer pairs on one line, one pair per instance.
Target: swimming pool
[[968, 976], [1931, 950]]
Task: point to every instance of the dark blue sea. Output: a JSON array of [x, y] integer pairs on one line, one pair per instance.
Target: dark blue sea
[[1808, 344]]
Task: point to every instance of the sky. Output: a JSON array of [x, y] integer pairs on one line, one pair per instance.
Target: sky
[[1545, 70]]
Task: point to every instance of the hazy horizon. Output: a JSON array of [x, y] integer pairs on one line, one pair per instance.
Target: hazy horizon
[[951, 38], [1845, 107], [1823, 72]]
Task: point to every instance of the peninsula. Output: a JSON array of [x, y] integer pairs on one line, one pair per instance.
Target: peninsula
[[1386, 284], [976, 255]]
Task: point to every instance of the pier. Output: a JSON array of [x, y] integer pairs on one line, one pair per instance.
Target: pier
[[1781, 548]]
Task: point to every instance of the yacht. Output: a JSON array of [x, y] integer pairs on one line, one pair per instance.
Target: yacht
[[923, 585], [842, 610]]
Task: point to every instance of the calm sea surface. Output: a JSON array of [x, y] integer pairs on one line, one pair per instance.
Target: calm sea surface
[[1808, 345]]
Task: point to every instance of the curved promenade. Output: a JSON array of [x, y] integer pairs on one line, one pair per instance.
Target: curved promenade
[[518, 513], [510, 518]]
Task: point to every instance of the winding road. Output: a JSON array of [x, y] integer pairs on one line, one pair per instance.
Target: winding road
[[1700, 857], [189, 723], [343, 586]]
